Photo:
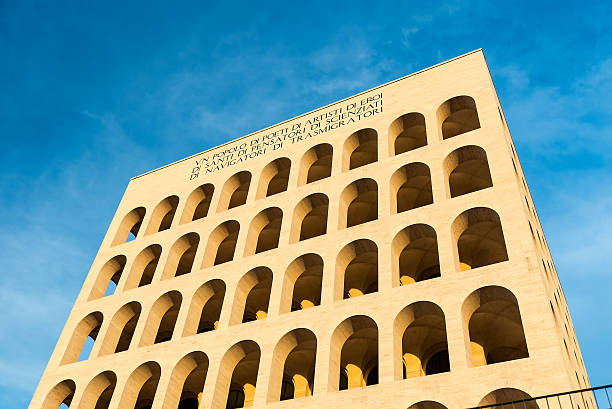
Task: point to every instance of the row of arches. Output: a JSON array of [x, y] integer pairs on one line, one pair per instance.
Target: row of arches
[[493, 327], [467, 170], [477, 236]]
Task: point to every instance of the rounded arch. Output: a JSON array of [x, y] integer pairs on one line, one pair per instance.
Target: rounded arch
[[457, 115], [493, 326], [121, 329], [252, 296], [63, 392], [302, 283], [141, 386], [237, 377], [221, 244], [294, 360], [360, 149], [274, 178], [198, 203], [162, 319], [419, 341], [467, 170], [414, 252], [99, 392], [407, 133], [235, 191], [187, 381], [88, 327], [358, 203], [264, 231], [109, 273], [479, 237], [205, 309], [427, 404], [316, 164], [310, 217], [181, 256], [411, 187], [354, 346], [130, 226], [163, 215], [144, 267], [508, 396], [356, 270]]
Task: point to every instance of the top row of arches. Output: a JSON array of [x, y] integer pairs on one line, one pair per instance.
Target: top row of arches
[[408, 132]]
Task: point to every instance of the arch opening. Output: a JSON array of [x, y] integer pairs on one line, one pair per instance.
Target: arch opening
[[274, 178], [99, 391], [130, 225], [467, 170], [61, 394], [108, 278], [187, 382], [316, 164], [141, 387], [458, 115], [411, 187], [205, 309], [144, 266], [181, 256], [162, 319], [252, 296], [292, 375], [221, 244], [415, 255], [479, 237], [121, 329], [354, 364], [427, 404], [494, 325], [360, 149], [509, 396], [198, 203], [237, 378], [264, 232], [310, 217], [235, 191], [420, 341], [358, 203], [357, 269], [302, 284], [407, 133], [79, 347], [163, 214]]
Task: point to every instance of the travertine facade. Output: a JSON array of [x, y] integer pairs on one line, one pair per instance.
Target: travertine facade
[[386, 244]]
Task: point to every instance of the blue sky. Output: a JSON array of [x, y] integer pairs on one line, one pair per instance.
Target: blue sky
[[93, 93]]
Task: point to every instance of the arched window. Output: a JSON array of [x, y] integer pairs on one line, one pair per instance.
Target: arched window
[[467, 170], [302, 284], [310, 217], [141, 386], [407, 133], [252, 296], [144, 266], [479, 237], [316, 164], [274, 178], [129, 226], [163, 214], [221, 244], [162, 319], [420, 344], [108, 278], [62, 393], [360, 149], [181, 256], [494, 325], [292, 374], [458, 115], [358, 203], [355, 354], [87, 328], [235, 386], [264, 231], [427, 404], [411, 188], [205, 309], [415, 255], [198, 203], [508, 397], [356, 270], [235, 191], [121, 329], [99, 391], [187, 382]]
